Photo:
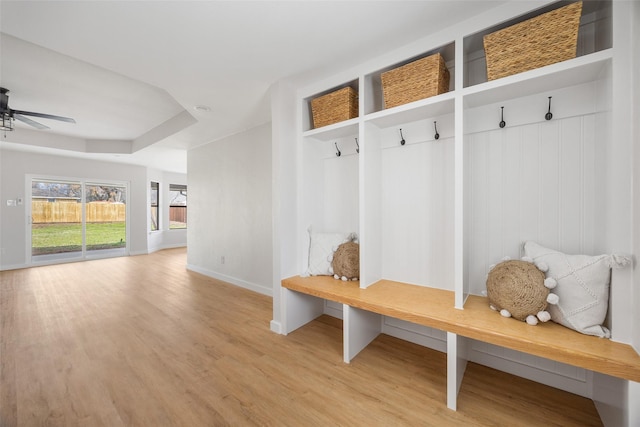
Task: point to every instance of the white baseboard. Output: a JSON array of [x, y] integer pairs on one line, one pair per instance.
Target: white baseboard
[[332, 308], [13, 267], [166, 246], [174, 245], [276, 327], [265, 290], [136, 253], [555, 374], [417, 334]]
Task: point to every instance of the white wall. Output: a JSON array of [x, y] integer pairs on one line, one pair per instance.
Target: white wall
[[15, 165], [634, 388], [230, 209], [636, 196]]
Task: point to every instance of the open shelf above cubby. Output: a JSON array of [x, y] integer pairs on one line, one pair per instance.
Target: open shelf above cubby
[[594, 35], [336, 130], [568, 73], [307, 110], [426, 108], [373, 91]]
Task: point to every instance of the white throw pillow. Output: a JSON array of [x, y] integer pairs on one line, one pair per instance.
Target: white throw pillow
[[583, 287], [321, 249]]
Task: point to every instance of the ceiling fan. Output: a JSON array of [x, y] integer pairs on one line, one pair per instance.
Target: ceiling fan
[[8, 115]]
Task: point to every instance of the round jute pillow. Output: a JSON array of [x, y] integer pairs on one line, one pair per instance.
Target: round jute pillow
[[346, 260], [517, 286]]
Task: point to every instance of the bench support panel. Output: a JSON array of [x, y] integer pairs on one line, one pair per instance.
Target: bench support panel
[[456, 365], [360, 328], [300, 309]]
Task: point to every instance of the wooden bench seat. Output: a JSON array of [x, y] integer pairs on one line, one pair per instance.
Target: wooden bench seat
[[435, 308]]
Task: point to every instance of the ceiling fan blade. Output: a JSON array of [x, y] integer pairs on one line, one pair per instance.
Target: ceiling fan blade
[[30, 122], [44, 116]]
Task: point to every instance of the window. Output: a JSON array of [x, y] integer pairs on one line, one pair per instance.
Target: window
[[155, 202], [177, 206]]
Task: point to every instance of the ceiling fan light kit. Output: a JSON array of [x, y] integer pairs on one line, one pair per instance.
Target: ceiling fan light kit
[[7, 123], [8, 115]]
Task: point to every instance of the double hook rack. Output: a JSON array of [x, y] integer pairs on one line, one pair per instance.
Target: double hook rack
[[547, 116], [436, 136], [339, 153]]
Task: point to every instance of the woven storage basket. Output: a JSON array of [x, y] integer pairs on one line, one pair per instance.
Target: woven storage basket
[[416, 80], [546, 39], [334, 107]]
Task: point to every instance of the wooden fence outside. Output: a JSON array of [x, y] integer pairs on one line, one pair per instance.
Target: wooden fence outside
[[178, 213], [43, 212]]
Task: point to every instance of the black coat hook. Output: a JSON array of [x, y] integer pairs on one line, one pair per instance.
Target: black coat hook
[[357, 146], [402, 141], [435, 127], [338, 153], [549, 116], [502, 122]]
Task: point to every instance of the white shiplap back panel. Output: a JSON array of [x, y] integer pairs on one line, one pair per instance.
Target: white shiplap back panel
[[592, 180], [511, 180], [440, 224], [536, 182], [530, 182], [477, 206], [312, 194], [549, 164], [495, 194], [417, 213], [572, 191], [329, 193], [341, 193]]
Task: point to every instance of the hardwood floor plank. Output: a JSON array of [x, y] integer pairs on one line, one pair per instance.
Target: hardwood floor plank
[[8, 329], [141, 341]]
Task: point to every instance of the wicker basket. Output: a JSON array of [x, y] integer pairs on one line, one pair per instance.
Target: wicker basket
[[546, 39], [417, 80], [334, 107]]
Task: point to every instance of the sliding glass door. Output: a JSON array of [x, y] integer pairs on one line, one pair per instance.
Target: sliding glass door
[[106, 219], [76, 219], [56, 219]]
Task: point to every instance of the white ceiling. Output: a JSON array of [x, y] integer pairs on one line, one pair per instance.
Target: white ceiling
[[131, 72]]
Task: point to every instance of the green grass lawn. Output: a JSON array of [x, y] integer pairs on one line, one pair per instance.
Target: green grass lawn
[[58, 238], [176, 225]]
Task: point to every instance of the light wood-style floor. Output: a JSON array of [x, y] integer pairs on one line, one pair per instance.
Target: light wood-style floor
[[142, 341]]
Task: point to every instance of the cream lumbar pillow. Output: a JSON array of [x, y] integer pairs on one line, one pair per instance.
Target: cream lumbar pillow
[[322, 246], [582, 286]]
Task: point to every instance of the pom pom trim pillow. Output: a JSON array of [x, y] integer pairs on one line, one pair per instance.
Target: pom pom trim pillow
[[582, 286], [321, 249]]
